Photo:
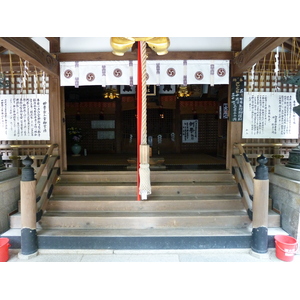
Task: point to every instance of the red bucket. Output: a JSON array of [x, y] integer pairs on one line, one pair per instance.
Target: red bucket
[[4, 245], [286, 247]]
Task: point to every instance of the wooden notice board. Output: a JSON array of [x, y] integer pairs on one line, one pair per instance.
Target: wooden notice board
[[237, 99]]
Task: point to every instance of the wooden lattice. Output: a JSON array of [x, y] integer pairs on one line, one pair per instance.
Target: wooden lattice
[[266, 81]]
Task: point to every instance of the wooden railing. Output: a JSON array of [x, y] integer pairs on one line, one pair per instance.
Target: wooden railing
[[276, 153], [244, 174], [36, 190], [254, 189], [46, 177], [12, 155]]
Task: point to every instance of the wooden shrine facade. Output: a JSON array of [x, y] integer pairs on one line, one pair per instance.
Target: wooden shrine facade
[[61, 111]]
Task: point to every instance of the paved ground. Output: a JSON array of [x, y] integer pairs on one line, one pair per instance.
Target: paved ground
[[163, 278], [217, 255]]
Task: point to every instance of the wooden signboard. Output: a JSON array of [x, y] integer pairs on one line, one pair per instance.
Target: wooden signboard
[[24, 117], [270, 115], [237, 99]]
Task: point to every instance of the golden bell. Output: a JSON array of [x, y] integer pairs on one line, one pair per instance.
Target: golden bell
[[121, 45]]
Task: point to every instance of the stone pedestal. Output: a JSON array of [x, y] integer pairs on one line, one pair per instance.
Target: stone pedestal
[[10, 195], [285, 193]]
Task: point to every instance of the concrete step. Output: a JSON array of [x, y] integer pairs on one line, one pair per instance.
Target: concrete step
[[158, 188]]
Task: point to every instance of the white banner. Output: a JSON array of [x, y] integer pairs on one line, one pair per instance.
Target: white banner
[[270, 115], [24, 117], [158, 72]]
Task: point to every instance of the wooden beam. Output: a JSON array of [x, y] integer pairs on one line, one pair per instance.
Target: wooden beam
[[2, 49], [175, 55], [236, 44], [254, 52], [54, 44], [29, 50]]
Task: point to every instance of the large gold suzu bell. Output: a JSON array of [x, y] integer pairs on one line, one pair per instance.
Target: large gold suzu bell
[[121, 45]]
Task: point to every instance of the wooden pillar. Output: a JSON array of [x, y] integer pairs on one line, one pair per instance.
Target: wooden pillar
[[260, 207], [29, 244], [57, 118], [234, 134], [118, 114], [177, 127]]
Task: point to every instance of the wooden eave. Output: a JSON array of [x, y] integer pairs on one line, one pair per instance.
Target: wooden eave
[[172, 55], [30, 51], [254, 52], [39, 58]]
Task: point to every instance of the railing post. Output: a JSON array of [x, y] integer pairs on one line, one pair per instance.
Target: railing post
[[29, 245], [259, 242]]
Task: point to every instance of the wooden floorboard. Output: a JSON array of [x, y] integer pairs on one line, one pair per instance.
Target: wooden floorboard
[[121, 159]]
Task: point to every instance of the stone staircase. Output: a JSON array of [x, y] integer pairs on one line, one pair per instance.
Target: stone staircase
[[186, 210]]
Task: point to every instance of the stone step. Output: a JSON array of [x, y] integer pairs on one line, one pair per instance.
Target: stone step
[[156, 239], [156, 203], [158, 188]]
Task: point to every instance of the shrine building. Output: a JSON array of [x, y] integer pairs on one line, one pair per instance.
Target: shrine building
[[149, 143]]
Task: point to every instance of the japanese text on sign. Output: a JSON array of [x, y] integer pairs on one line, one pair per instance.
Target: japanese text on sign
[[237, 99], [270, 115], [24, 117], [189, 131]]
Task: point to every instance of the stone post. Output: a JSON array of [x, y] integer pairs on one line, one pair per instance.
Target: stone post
[[260, 208], [29, 245], [2, 166]]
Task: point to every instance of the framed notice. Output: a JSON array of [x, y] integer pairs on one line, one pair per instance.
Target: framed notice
[[24, 117], [189, 131], [237, 99], [270, 115]]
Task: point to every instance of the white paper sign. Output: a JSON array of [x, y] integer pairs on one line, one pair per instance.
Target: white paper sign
[[270, 115], [189, 131], [24, 117]]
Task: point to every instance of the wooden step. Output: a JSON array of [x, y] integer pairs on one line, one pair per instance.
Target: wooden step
[[100, 209], [144, 220], [155, 176], [128, 188], [140, 220], [157, 203]]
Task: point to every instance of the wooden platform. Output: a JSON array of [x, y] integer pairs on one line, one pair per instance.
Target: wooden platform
[[93, 162]]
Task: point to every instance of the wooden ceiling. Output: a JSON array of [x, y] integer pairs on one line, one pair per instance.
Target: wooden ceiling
[[242, 60]]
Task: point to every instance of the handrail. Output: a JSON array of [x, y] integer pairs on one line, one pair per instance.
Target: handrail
[[36, 190], [46, 177], [275, 153], [254, 188], [45, 160], [244, 175], [13, 152]]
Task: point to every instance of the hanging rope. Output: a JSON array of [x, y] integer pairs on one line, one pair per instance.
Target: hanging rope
[[143, 150], [144, 95], [12, 79]]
